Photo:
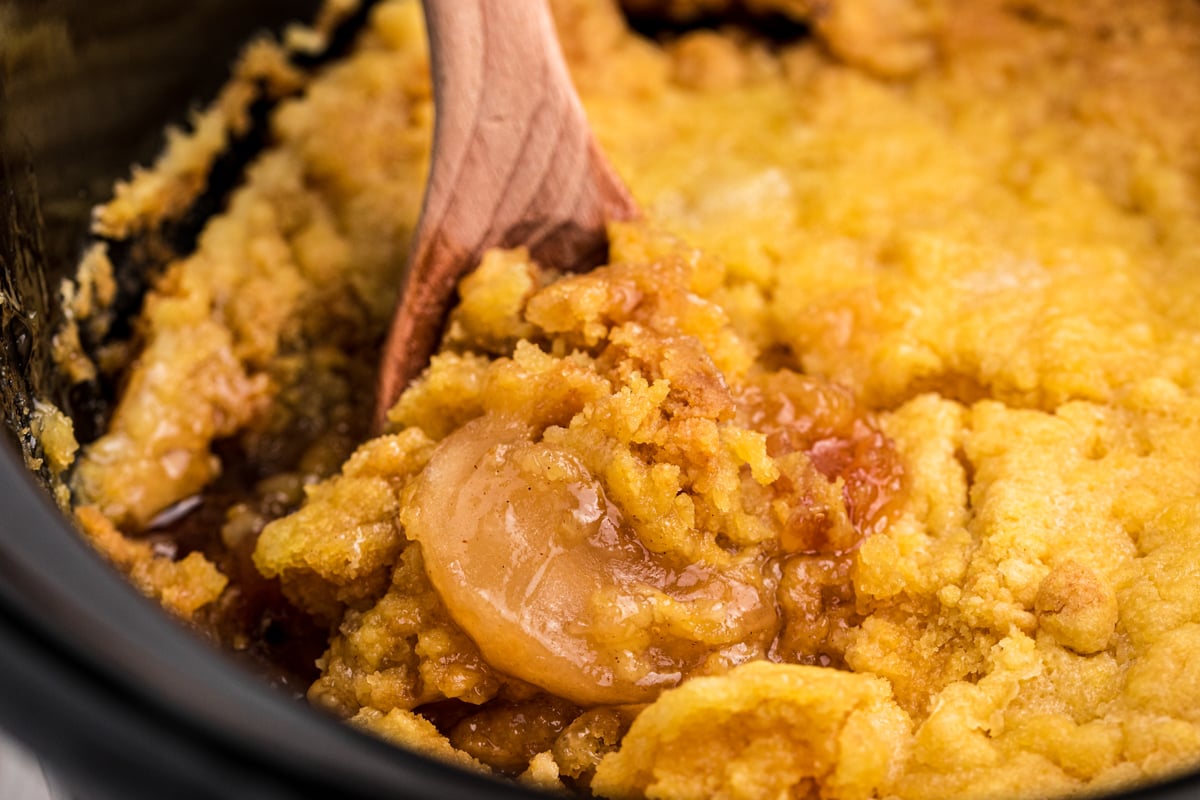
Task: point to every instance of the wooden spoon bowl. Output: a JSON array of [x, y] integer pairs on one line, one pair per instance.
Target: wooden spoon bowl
[[514, 163]]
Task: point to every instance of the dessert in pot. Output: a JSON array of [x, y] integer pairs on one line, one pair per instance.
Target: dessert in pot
[[866, 466]]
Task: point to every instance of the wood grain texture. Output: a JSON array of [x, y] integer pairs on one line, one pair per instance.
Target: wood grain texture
[[514, 163]]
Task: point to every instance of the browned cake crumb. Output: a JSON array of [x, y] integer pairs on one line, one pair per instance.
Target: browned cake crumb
[[183, 587]]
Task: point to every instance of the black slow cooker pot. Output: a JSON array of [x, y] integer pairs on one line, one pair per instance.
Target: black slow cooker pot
[[120, 700]]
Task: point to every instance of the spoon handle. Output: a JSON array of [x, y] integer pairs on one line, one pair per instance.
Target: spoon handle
[[514, 163]]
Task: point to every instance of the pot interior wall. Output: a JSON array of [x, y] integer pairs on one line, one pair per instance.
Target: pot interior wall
[[87, 90]]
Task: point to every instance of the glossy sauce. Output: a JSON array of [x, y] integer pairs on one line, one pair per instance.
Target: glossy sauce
[[823, 421], [818, 433]]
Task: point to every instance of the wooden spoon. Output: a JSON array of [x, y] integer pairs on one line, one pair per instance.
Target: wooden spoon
[[514, 163]]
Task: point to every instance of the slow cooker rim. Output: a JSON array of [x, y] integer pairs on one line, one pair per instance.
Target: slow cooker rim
[[77, 667]]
